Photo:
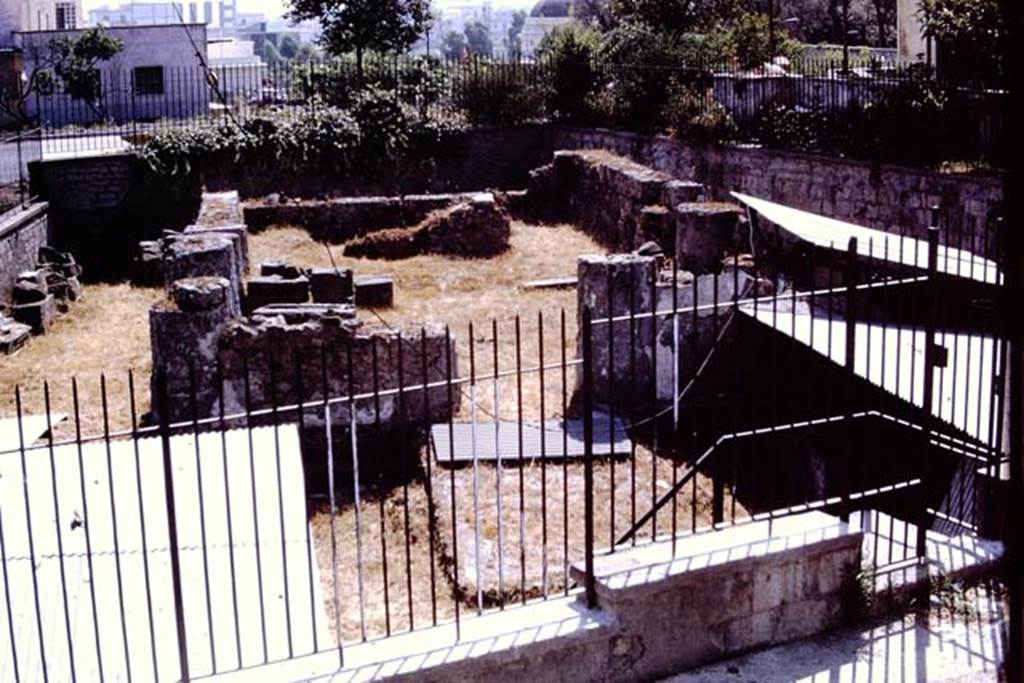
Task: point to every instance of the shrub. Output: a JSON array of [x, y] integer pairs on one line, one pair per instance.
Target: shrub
[[569, 56], [497, 94], [695, 117]]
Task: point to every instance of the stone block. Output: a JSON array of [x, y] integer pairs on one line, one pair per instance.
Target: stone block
[[200, 293], [374, 291], [148, 268], [676, 192], [705, 232], [280, 269], [275, 289], [330, 286], [13, 335], [37, 315], [237, 233], [199, 255]]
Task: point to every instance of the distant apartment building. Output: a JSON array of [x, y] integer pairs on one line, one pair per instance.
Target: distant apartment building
[[219, 14], [37, 15], [156, 75]]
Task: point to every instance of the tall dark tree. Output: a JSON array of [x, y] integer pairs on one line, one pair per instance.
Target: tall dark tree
[[514, 40], [361, 26], [453, 45], [478, 39]]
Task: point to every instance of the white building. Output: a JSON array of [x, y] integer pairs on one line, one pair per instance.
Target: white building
[[156, 75], [240, 73], [219, 14], [37, 15], [546, 16]]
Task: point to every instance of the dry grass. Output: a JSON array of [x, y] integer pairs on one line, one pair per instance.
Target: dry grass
[[545, 539], [484, 292], [105, 333]]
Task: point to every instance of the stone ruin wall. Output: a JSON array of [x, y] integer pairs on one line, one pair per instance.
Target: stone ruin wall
[[201, 342], [22, 233]]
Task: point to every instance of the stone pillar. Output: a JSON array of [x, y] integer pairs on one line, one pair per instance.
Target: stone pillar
[[184, 332], [617, 283], [190, 256], [705, 232]]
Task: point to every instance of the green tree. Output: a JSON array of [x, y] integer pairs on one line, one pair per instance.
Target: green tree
[[514, 40], [70, 62], [570, 55], [289, 47], [478, 39], [454, 45], [969, 34], [361, 26], [271, 55]]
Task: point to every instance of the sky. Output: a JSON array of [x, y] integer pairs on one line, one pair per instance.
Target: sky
[[274, 8]]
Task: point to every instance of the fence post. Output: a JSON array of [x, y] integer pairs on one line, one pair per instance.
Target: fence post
[[850, 280], [588, 457], [929, 372], [22, 189], [172, 521]]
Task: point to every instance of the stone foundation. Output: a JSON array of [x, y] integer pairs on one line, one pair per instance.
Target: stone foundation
[[476, 228]]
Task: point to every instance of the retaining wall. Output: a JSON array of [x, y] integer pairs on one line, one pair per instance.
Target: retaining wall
[[891, 198], [22, 232]]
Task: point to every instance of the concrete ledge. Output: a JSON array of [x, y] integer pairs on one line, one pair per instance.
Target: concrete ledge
[[492, 646]]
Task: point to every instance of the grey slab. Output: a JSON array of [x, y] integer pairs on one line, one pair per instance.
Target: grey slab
[[561, 439]]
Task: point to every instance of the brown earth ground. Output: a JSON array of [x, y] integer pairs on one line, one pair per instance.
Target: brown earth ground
[[107, 333]]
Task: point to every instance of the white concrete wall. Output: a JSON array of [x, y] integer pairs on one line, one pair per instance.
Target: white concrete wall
[[168, 46]]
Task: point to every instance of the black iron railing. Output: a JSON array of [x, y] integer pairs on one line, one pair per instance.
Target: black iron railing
[[313, 519]]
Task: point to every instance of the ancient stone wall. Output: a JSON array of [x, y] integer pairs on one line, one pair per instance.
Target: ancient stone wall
[[21, 234], [343, 218], [890, 198]]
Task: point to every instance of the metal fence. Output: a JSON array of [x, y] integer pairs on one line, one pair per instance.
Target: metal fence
[[858, 379], [17, 150], [813, 105]]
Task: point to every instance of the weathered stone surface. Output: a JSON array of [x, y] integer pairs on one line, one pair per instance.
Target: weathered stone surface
[[342, 219], [29, 292], [704, 233], [22, 232], [220, 208], [615, 200], [148, 267], [331, 286], [236, 232], [304, 313], [280, 269], [37, 315], [275, 289], [13, 335], [200, 293], [619, 283], [274, 348], [374, 291], [204, 255], [476, 228]]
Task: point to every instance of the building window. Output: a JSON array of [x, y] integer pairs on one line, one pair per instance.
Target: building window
[[149, 80], [66, 19]]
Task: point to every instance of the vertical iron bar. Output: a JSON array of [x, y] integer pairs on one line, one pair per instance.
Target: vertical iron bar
[[431, 518], [31, 536], [58, 525], [850, 365], [202, 514], [7, 600], [383, 519], [543, 461], [565, 459], [113, 519], [404, 448], [929, 375], [87, 525], [222, 428], [456, 589], [356, 490], [255, 509], [522, 463], [499, 469], [142, 520], [172, 521], [300, 402], [476, 472], [588, 460]]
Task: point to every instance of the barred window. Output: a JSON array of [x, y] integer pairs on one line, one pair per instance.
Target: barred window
[[149, 80]]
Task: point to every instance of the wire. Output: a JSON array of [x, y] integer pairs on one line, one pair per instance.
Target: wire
[[208, 73]]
